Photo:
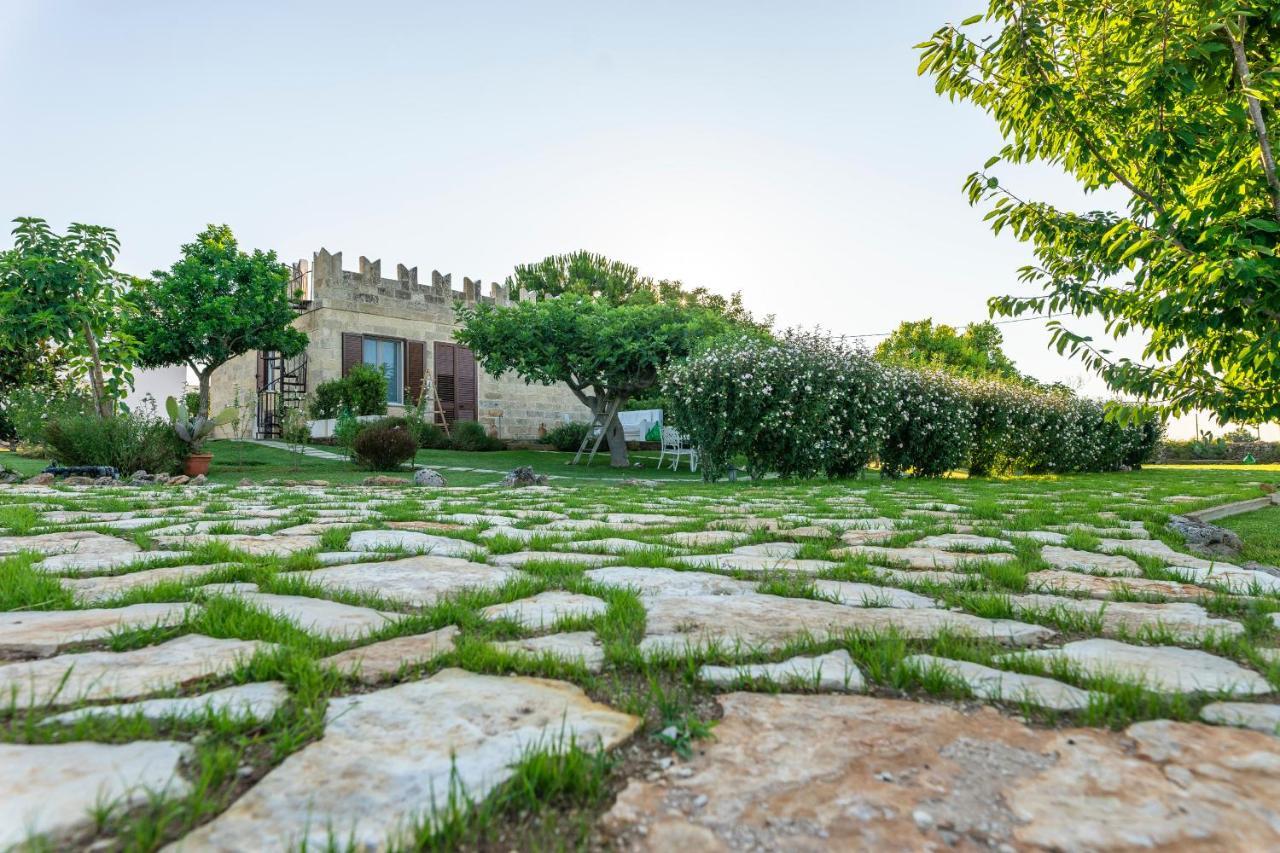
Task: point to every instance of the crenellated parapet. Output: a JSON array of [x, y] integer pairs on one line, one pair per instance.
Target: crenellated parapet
[[330, 282]]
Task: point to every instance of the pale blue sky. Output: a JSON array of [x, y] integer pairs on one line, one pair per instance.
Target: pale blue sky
[[786, 150]]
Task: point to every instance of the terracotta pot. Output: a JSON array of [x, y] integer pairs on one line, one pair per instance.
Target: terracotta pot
[[197, 464]]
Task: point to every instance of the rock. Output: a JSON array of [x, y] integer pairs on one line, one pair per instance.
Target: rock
[[140, 476], [870, 595], [999, 685], [256, 701], [922, 558], [245, 482], [77, 480], [1087, 561], [524, 476], [1185, 621], [668, 582], [329, 619], [53, 790], [1164, 669], [384, 480], [43, 632], [834, 672], [756, 621], [546, 608], [572, 647], [429, 477], [410, 540], [861, 773], [199, 480], [416, 581], [376, 661], [1246, 715], [104, 481], [392, 756], [1207, 539], [178, 480], [91, 676]]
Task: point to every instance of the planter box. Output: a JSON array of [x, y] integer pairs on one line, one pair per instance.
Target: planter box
[[324, 428]]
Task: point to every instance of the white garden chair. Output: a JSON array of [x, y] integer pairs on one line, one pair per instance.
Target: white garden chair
[[677, 445]]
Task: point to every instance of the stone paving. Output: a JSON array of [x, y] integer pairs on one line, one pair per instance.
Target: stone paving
[[1030, 669]]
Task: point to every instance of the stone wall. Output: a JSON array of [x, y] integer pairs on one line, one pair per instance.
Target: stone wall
[[364, 302]]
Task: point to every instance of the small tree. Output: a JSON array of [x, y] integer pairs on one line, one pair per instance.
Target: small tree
[[597, 326], [61, 291], [977, 352], [212, 305]]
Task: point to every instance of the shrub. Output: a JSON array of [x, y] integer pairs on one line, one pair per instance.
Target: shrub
[[470, 436], [345, 430], [29, 410], [366, 391], [384, 446], [328, 400], [567, 437], [931, 425], [432, 437], [127, 442]]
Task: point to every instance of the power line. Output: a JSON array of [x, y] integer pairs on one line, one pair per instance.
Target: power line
[[962, 328]]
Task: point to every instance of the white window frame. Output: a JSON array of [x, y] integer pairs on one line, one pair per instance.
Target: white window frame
[[395, 390]]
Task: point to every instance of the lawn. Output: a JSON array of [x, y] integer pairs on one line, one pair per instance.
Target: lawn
[[1261, 534]]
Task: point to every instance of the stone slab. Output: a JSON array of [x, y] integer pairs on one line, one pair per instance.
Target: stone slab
[[871, 595], [922, 558], [756, 563], [571, 646], [417, 581], [546, 608], [1071, 559], [255, 545], [834, 672], [391, 756], [331, 619], [1098, 586], [520, 558], [999, 685], [376, 661], [1247, 715], [103, 587], [411, 540], [668, 581], [43, 632], [68, 542], [705, 538], [962, 541], [99, 561], [255, 701], [1186, 621]]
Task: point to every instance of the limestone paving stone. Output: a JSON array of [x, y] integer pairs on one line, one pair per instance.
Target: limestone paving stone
[[410, 540], [519, 558], [1165, 669], [571, 646], [102, 587], [769, 549], [961, 541], [923, 558], [675, 623], [77, 563], [705, 538], [257, 545], [376, 661], [67, 542], [1099, 586], [756, 563], [1233, 578], [51, 791], [393, 755], [240, 525], [1186, 621], [1258, 716], [92, 676], [43, 632], [668, 582], [417, 581], [546, 608], [999, 685], [611, 545], [331, 619], [870, 595], [1044, 537], [1071, 559], [255, 701], [864, 773], [834, 672]]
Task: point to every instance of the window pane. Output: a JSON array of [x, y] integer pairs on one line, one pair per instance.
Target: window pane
[[370, 351]]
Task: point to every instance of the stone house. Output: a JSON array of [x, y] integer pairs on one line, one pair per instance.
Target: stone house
[[404, 328]]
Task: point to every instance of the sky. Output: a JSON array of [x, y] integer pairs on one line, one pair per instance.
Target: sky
[[788, 151]]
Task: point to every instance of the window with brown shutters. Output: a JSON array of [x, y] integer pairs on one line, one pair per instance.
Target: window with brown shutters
[[465, 383], [352, 351], [455, 378], [414, 366], [444, 375]]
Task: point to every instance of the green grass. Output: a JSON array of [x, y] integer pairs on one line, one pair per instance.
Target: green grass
[[1260, 532]]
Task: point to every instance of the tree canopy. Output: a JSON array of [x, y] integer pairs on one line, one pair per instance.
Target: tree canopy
[[1170, 102], [596, 325], [215, 303], [60, 291], [976, 352]]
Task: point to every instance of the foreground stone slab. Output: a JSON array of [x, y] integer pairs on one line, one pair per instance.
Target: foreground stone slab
[[43, 632], [376, 661], [756, 563], [257, 701], [1234, 578], [815, 773], [331, 619], [386, 759], [261, 545], [410, 540], [922, 558], [757, 621], [1183, 620], [1247, 715], [1164, 669], [834, 672], [1098, 586], [1087, 561], [668, 581], [418, 581], [105, 561], [546, 608], [51, 790], [68, 542], [999, 685], [572, 646], [92, 676], [870, 595], [104, 587]]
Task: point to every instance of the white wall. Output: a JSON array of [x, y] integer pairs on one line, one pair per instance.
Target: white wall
[[1184, 427], [159, 383]]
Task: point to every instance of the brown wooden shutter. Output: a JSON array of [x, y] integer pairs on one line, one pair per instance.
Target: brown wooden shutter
[[261, 373], [465, 382], [444, 368], [352, 351], [415, 353]]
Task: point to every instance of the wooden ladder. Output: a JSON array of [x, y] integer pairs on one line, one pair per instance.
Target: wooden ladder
[[599, 421], [439, 407]]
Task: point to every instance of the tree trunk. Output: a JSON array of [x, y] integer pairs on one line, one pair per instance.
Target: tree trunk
[[202, 408], [617, 444], [97, 384]]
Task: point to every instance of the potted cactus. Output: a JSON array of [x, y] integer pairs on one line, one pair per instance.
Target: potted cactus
[[193, 429]]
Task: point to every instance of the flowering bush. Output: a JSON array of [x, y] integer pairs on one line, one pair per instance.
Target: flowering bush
[[930, 427], [800, 406]]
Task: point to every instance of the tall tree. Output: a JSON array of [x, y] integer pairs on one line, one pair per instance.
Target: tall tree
[[60, 290], [976, 352], [215, 303], [596, 325], [1173, 103]]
